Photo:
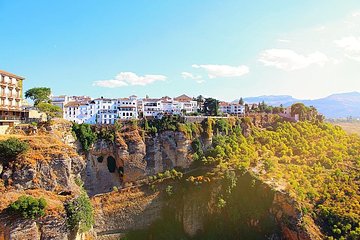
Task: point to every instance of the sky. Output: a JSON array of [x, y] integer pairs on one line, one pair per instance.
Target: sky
[[224, 49]]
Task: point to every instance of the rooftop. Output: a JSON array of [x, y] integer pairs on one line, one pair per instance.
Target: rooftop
[[11, 75]]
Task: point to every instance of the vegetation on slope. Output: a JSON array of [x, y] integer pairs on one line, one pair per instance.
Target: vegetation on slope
[[28, 207], [11, 148], [80, 213], [316, 162]]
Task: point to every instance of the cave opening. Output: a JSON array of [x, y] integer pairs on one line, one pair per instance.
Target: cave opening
[[111, 164], [100, 159]]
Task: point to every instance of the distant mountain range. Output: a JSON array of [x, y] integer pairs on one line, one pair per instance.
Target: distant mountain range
[[334, 106]]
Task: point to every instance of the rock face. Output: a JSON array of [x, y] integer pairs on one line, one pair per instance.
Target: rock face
[[290, 218], [49, 169], [167, 150], [49, 228], [130, 158], [117, 213], [54, 175]]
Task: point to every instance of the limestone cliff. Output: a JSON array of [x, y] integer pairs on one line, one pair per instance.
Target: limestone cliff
[[130, 158], [49, 170]]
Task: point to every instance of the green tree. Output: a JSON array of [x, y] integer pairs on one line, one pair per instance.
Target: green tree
[[84, 134], [200, 101], [211, 107], [80, 213], [51, 110], [11, 148], [241, 101], [38, 95]]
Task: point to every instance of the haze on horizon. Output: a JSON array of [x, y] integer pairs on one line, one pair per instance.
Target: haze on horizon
[[225, 49]]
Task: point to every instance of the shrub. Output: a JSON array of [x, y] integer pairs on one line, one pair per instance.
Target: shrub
[[169, 190], [80, 213], [11, 148], [84, 134], [28, 207]]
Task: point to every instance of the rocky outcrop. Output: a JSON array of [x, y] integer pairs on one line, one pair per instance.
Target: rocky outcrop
[[54, 175], [167, 150], [291, 220], [135, 158], [117, 213], [47, 228]]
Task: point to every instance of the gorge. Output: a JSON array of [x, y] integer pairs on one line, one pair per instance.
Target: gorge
[[259, 178]]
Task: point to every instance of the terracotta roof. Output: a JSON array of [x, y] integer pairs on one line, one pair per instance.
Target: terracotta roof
[[151, 99], [11, 75], [73, 104], [183, 98], [224, 104]]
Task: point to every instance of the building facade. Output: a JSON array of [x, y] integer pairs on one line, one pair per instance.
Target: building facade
[[11, 98]]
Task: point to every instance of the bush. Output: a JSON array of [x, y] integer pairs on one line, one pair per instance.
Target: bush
[[84, 134], [11, 148], [80, 213], [169, 190], [28, 207]]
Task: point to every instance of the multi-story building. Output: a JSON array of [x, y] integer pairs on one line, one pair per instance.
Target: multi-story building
[[152, 107], [127, 108], [187, 104], [71, 111], [11, 98], [62, 100], [231, 108]]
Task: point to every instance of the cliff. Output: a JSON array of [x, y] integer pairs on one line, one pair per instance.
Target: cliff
[[49, 170], [131, 157], [238, 180]]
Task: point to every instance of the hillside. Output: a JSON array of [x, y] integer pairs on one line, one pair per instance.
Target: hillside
[[167, 179]]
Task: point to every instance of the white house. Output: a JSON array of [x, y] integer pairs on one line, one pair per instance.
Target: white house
[[187, 104], [152, 107], [72, 111], [231, 108], [127, 108]]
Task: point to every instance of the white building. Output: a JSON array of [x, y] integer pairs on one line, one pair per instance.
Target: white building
[[71, 112], [127, 108], [152, 107], [231, 108], [187, 104]]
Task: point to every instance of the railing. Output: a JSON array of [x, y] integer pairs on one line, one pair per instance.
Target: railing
[[18, 118]]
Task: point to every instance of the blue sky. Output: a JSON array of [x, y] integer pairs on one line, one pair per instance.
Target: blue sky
[[225, 49]]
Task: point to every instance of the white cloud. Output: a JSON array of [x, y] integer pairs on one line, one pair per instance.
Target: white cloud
[[351, 46], [283, 40], [288, 60], [197, 78], [219, 71], [129, 79]]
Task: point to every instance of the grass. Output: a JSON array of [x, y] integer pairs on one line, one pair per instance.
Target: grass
[[350, 127]]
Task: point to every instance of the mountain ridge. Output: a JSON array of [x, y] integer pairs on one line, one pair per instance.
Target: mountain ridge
[[338, 105]]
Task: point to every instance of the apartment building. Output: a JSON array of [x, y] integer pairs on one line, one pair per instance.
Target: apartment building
[[152, 107], [128, 108], [11, 98], [186, 104], [231, 108]]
